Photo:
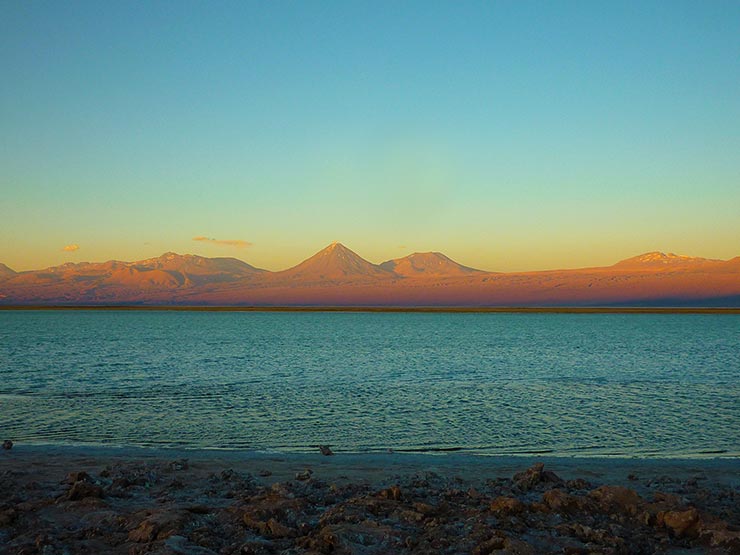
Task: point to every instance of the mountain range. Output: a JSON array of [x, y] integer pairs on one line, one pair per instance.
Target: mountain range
[[337, 276]]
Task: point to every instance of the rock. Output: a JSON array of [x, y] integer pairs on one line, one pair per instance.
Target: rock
[[276, 529], [425, 508], [670, 501], [506, 506], [578, 483], [158, 526], [410, 516], [681, 523], [325, 450], [560, 502], [535, 475], [518, 547], [7, 517], [257, 547], [181, 546], [348, 538], [616, 499], [80, 476], [728, 539], [267, 526], [181, 464], [393, 492], [488, 546], [594, 535], [264, 473], [7, 445], [83, 489], [305, 475]]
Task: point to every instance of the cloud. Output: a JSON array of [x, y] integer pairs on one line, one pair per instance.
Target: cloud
[[71, 248], [236, 243]]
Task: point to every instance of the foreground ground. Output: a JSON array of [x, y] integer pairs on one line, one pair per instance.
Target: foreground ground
[[57, 501]]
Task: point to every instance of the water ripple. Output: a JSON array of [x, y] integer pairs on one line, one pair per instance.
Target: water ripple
[[607, 385]]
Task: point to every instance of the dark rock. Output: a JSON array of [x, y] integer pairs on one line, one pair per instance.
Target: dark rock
[[182, 464], [425, 508], [616, 499], [276, 529], [158, 526], [488, 546], [669, 501], [507, 506], [264, 473], [727, 539], [80, 476], [257, 547], [7, 517], [82, 489], [269, 527], [7, 444], [534, 476], [393, 492], [181, 546], [325, 450], [681, 523], [518, 547], [578, 483], [560, 502], [304, 475], [348, 538]]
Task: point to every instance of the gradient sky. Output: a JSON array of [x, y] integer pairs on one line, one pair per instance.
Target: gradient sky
[[508, 135]]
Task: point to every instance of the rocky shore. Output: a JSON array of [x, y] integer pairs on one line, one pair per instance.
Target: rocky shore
[[82, 502]]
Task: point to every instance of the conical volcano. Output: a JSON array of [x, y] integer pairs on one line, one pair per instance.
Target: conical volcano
[[335, 263]]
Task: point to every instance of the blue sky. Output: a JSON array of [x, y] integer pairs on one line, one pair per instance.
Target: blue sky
[[509, 135]]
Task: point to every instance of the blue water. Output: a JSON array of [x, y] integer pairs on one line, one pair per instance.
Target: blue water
[[565, 384]]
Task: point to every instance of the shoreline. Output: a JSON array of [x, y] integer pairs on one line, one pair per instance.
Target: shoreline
[[66, 500], [377, 467], [472, 454], [388, 309]]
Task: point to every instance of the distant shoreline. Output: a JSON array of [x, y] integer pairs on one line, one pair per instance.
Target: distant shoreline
[[419, 309]]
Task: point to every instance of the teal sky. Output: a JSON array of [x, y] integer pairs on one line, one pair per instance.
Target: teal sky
[[508, 135]]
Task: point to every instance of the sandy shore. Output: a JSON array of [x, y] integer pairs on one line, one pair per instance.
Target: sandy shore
[[66, 500]]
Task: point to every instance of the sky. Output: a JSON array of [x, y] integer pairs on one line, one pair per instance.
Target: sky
[[510, 135]]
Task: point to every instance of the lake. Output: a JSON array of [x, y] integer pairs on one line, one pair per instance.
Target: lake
[[646, 385]]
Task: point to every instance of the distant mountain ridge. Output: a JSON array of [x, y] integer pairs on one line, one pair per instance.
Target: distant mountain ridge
[[6, 272], [661, 259], [338, 276], [427, 264]]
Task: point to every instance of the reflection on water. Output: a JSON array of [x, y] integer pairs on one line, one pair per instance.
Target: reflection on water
[[580, 384]]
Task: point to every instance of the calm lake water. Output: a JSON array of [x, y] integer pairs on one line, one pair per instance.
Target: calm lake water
[[565, 384]]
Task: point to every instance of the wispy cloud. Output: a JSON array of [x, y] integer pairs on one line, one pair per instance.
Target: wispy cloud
[[71, 248], [236, 243]]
